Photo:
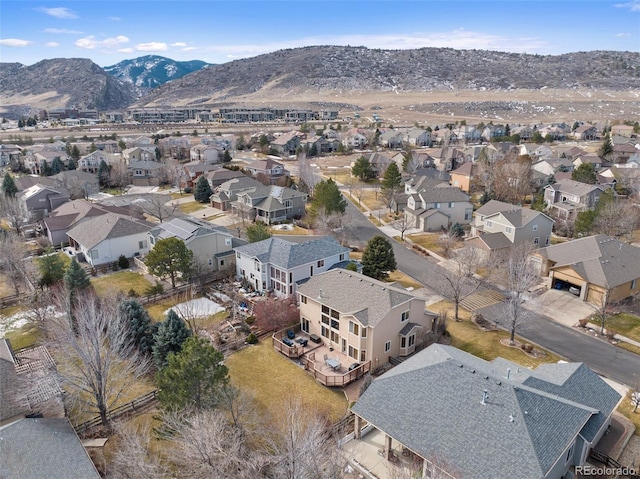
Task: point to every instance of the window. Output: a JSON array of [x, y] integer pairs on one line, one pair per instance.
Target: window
[[210, 262], [405, 316], [412, 340], [320, 263], [387, 346], [451, 204], [303, 299], [546, 241], [142, 244], [256, 266], [536, 240], [305, 325], [363, 356], [633, 284], [237, 255], [437, 206], [488, 223], [353, 353], [535, 227], [324, 331], [354, 328], [403, 342], [508, 229], [221, 262], [152, 240], [341, 257], [227, 241], [364, 332], [569, 453]]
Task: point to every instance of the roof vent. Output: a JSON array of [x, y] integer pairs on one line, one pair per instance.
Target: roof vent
[[485, 397], [511, 418], [508, 372]]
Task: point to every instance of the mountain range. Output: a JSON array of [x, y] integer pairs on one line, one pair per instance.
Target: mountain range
[[331, 74], [152, 71]]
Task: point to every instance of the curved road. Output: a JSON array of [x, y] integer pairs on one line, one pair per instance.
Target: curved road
[[606, 359]]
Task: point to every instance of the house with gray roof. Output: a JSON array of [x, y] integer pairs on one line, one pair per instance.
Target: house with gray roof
[[144, 173], [277, 264], [103, 239], [567, 198], [433, 205], [603, 268], [286, 143], [269, 169], [463, 417], [227, 193], [38, 200], [33, 448], [497, 225], [271, 204], [212, 245], [367, 319]]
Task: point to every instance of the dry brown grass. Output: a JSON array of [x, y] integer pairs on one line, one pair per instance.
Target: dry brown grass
[[406, 281], [270, 377], [122, 281], [430, 241]]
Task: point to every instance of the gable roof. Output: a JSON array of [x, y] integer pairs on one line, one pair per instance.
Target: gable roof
[[189, 228], [287, 254], [517, 216], [466, 169], [574, 187], [44, 447], [352, 293], [598, 259], [93, 231], [433, 404], [443, 194]]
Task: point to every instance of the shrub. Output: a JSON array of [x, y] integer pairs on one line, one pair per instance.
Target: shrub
[[583, 322], [252, 338], [352, 267], [527, 348], [114, 266], [610, 334], [132, 293], [188, 189], [123, 262], [250, 320]]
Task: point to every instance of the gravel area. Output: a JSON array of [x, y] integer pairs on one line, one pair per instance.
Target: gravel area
[[630, 457]]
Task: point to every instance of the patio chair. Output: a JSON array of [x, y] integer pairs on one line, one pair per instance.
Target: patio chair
[[291, 334]]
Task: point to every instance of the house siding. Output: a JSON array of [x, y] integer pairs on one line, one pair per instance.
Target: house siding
[[109, 250]]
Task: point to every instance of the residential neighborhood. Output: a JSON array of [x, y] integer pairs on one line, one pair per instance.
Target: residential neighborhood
[[448, 300]]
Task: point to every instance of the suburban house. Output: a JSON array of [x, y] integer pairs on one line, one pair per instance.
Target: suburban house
[[135, 154], [276, 264], [67, 215], [458, 416], [144, 173], [462, 177], [598, 266], [103, 239], [468, 134], [205, 153], [594, 160], [320, 144], [622, 153], [270, 169], [9, 153], [78, 183], [212, 246], [567, 198], [271, 204], [227, 193], [220, 175], [355, 139], [551, 166], [444, 137], [90, 163], [432, 206], [365, 319], [194, 169], [37, 201], [491, 132], [391, 139], [498, 225], [287, 143], [585, 132], [623, 130]]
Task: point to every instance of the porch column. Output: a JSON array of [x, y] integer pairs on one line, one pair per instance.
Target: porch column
[[387, 446], [357, 434]]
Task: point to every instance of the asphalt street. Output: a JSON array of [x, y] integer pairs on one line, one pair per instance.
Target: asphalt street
[[606, 359]]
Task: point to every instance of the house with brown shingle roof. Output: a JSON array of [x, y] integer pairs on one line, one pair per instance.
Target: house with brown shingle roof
[[600, 266], [567, 198], [463, 176]]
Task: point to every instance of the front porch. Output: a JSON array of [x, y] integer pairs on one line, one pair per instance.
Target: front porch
[[327, 365]]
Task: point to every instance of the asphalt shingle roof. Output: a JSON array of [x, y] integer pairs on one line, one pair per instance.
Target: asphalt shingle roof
[[599, 259], [433, 404], [286, 254], [93, 231], [39, 448], [353, 293]]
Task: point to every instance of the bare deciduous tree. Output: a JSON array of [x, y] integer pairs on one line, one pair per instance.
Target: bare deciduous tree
[[119, 175], [520, 275], [275, 314], [158, 206], [601, 309], [461, 280], [133, 458], [306, 173], [12, 264], [11, 209], [617, 218], [97, 360], [403, 224]]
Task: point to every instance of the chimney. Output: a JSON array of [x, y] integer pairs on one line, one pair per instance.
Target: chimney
[[485, 398]]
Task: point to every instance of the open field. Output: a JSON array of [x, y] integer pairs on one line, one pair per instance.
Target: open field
[[267, 374]]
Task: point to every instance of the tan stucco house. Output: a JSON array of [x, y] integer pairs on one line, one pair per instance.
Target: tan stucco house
[[363, 318]]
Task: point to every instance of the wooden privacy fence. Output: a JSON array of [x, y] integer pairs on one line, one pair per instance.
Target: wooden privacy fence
[[138, 403]]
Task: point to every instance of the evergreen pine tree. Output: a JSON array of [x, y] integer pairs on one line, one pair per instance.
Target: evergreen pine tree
[[392, 178], [327, 195], [257, 232], [607, 147], [139, 324], [362, 169], [76, 278], [226, 157], [103, 174], [171, 333], [71, 164], [9, 185], [56, 166], [378, 258], [203, 191], [75, 153]]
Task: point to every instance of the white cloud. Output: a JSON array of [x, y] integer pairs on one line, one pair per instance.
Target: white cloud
[[623, 35], [188, 49], [52, 44], [633, 6], [63, 30], [90, 42], [125, 50], [15, 42], [179, 44], [114, 19], [58, 12], [152, 47]]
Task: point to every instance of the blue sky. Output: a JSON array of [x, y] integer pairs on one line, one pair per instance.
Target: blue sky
[[221, 31]]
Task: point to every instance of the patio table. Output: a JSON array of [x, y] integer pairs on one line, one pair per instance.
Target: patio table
[[333, 363]]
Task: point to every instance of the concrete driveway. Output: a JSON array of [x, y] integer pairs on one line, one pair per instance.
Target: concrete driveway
[[561, 306]]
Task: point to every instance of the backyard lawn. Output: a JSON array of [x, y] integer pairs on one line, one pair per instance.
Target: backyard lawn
[[270, 377], [122, 281], [191, 207], [430, 241], [623, 323], [486, 344], [23, 337]]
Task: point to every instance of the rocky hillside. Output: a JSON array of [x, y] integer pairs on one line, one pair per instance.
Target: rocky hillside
[[62, 83], [151, 71], [358, 69]]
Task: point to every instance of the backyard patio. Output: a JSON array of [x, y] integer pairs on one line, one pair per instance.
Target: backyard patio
[[327, 365]]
